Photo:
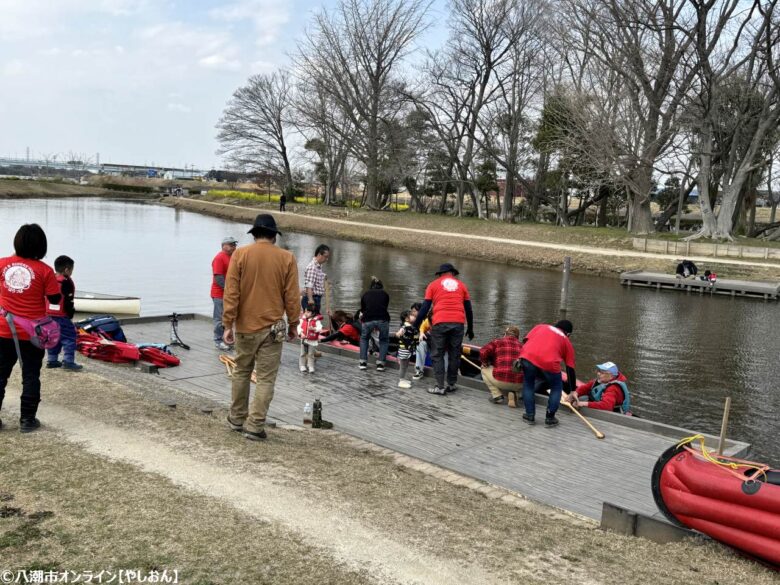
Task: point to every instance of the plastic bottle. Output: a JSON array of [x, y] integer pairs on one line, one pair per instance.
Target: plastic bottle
[[307, 410]]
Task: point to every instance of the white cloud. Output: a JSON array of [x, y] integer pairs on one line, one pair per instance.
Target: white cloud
[[267, 16], [13, 68], [177, 107], [219, 61]]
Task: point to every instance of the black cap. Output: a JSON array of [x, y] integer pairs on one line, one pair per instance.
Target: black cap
[[265, 222], [565, 326], [447, 268]]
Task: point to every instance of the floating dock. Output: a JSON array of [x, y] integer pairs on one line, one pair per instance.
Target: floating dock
[[565, 467], [769, 291]]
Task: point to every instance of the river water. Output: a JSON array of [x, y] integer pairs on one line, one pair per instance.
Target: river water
[[683, 354]]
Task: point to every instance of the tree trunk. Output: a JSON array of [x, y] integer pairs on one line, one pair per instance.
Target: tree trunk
[[601, 218]]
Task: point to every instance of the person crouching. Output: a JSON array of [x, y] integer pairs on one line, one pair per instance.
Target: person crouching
[[309, 328]]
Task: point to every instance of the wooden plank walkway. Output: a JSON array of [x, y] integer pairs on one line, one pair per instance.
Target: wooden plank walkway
[[723, 286], [565, 467]]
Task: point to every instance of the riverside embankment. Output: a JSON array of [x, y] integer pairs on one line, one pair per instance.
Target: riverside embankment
[[606, 252]]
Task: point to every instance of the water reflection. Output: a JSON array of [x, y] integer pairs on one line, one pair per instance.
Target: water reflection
[[683, 353]]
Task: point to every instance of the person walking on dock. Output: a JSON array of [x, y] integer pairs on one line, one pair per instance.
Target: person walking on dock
[[219, 268], [451, 315], [544, 348], [314, 279], [260, 288]]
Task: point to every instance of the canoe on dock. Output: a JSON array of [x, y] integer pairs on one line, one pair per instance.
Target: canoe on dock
[[89, 302], [723, 286]]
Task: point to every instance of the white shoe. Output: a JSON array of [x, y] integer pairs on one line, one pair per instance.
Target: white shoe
[[303, 369], [404, 384], [311, 370], [223, 346]]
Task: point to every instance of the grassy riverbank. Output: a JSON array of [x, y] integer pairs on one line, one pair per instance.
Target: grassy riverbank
[[117, 480], [309, 219], [29, 189]]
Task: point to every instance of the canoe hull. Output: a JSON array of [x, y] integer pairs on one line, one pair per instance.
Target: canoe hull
[[722, 503], [85, 302]]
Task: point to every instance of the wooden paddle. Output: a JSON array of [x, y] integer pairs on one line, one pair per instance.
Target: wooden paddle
[[598, 433]]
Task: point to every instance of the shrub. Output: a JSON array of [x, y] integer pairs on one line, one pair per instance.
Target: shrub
[[128, 188]]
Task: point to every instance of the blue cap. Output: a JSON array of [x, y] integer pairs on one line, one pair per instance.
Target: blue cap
[[608, 367]]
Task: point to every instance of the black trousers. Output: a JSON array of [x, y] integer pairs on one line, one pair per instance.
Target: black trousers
[[446, 338], [32, 358]]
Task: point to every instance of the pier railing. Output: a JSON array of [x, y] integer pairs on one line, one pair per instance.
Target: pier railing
[[723, 250]]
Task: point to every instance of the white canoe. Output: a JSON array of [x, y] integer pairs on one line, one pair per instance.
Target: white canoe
[[87, 302]]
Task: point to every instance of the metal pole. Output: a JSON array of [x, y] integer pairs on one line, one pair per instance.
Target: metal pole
[[565, 285], [724, 425]]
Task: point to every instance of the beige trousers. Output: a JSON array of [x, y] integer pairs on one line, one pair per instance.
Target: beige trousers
[[259, 352], [497, 387]]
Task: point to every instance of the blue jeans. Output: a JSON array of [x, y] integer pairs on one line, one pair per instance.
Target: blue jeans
[[384, 338], [219, 329], [67, 342], [555, 381], [317, 302]]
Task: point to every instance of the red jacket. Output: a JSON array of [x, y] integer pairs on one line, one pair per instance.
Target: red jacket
[[612, 397], [501, 353], [546, 347]]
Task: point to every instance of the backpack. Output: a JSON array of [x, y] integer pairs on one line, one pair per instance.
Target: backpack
[[105, 325]]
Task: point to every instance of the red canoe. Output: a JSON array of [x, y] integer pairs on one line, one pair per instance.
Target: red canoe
[[731, 500]]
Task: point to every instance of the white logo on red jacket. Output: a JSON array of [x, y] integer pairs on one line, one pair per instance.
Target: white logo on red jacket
[[18, 278], [450, 284]]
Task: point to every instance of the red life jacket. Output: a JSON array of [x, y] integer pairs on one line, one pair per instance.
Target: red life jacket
[[309, 328], [100, 348], [158, 357]]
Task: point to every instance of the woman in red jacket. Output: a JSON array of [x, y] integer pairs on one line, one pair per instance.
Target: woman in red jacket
[[25, 285], [608, 391]]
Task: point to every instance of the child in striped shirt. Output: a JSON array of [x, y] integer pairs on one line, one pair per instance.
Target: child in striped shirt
[[408, 337]]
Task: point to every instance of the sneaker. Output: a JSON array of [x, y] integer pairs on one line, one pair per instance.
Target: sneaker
[[380, 366], [404, 384], [496, 399], [437, 390], [72, 366], [233, 426], [222, 346], [311, 370], [550, 420], [56, 364], [28, 425], [451, 388], [303, 369], [255, 436], [363, 366], [418, 375], [529, 418]]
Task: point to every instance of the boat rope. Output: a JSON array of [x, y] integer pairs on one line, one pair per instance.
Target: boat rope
[[733, 465]]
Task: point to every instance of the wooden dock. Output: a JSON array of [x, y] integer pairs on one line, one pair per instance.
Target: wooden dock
[[565, 467], [769, 291]]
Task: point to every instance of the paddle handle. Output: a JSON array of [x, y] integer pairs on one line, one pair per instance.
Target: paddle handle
[[598, 433], [468, 361], [724, 425]]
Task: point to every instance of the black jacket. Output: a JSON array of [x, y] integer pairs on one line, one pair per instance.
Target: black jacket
[[373, 305]]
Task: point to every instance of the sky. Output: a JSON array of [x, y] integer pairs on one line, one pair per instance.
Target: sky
[[138, 81]]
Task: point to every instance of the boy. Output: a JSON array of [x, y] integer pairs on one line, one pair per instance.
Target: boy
[[408, 337], [309, 328], [62, 313]]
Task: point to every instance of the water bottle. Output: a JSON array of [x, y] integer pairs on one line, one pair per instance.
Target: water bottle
[[307, 413]]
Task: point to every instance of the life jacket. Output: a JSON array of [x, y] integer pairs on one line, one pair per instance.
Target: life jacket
[[100, 348], [309, 328], [597, 392], [160, 357]]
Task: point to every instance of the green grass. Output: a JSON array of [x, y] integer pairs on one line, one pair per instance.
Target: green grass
[[260, 197]]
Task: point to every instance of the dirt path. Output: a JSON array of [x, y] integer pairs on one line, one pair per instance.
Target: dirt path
[[349, 541], [576, 249]]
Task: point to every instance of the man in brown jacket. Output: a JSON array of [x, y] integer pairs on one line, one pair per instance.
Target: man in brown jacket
[[260, 287]]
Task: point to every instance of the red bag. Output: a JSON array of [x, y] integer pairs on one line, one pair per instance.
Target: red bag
[[158, 357]]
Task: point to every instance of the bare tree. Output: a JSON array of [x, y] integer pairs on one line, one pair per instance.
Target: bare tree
[[254, 127], [353, 55], [646, 45]]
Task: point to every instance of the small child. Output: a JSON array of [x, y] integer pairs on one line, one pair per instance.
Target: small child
[[62, 313], [309, 328], [408, 337]]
